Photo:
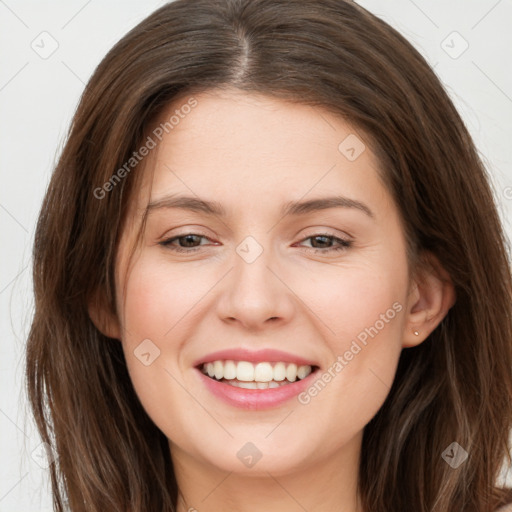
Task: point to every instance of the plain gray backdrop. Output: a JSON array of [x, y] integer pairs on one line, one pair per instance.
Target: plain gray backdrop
[[49, 51]]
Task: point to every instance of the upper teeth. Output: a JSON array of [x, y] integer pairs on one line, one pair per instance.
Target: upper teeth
[[259, 372]]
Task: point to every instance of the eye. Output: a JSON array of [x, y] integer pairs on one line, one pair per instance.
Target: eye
[[186, 243], [323, 242]]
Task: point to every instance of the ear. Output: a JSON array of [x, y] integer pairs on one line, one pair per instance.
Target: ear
[[102, 317], [431, 296]]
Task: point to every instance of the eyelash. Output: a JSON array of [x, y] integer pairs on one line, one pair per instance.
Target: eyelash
[[344, 244]]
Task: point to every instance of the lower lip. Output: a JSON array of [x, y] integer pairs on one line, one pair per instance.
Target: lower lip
[[256, 399]]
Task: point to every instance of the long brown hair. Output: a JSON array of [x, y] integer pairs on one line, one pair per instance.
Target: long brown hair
[[454, 387]]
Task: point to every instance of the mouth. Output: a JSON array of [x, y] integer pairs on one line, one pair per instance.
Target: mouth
[[255, 380], [256, 375]]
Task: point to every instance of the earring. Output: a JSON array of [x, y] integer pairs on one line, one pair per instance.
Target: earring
[[416, 333]]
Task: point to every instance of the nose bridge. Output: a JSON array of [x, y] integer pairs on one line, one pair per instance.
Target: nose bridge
[[252, 277], [254, 294]]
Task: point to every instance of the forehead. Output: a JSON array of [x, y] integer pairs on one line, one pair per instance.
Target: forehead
[[243, 147]]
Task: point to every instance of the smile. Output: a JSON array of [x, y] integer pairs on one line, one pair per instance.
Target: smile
[[255, 386], [262, 375]]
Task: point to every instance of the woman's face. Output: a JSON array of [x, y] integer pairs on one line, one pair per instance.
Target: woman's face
[[288, 250]]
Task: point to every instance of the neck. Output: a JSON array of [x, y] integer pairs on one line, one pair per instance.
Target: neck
[[329, 484]]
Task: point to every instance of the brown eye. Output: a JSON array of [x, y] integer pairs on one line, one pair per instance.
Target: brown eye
[[321, 241], [327, 243], [186, 243], [189, 240]]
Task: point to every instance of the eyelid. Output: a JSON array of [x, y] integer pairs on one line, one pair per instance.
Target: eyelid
[[318, 230], [169, 238], [184, 230], [343, 244]]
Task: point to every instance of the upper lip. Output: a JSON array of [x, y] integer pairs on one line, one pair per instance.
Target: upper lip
[[254, 356]]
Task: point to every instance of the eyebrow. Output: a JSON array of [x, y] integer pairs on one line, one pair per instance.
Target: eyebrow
[[289, 209]]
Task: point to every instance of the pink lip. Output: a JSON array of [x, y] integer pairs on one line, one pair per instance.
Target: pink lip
[[241, 354], [256, 399]]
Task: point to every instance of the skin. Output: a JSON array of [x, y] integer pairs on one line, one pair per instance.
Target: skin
[[253, 154]]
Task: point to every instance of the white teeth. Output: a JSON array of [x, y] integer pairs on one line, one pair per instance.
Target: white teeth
[[291, 372], [279, 372], [254, 385], [218, 369], [262, 374], [229, 370], [244, 371], [248, 385], [302, 372]]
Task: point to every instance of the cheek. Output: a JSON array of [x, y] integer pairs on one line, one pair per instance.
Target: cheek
[[157, 312], [356, 301], [361, 313], [159, 297]]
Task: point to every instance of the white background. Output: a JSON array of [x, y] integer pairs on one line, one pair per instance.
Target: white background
[[38, 97]]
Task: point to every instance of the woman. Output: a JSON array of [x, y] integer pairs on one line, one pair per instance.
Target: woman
[[270, 275]]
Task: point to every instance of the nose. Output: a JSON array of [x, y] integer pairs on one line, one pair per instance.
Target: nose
[[254, 294]]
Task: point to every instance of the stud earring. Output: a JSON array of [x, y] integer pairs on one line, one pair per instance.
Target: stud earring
[[416, 333]]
